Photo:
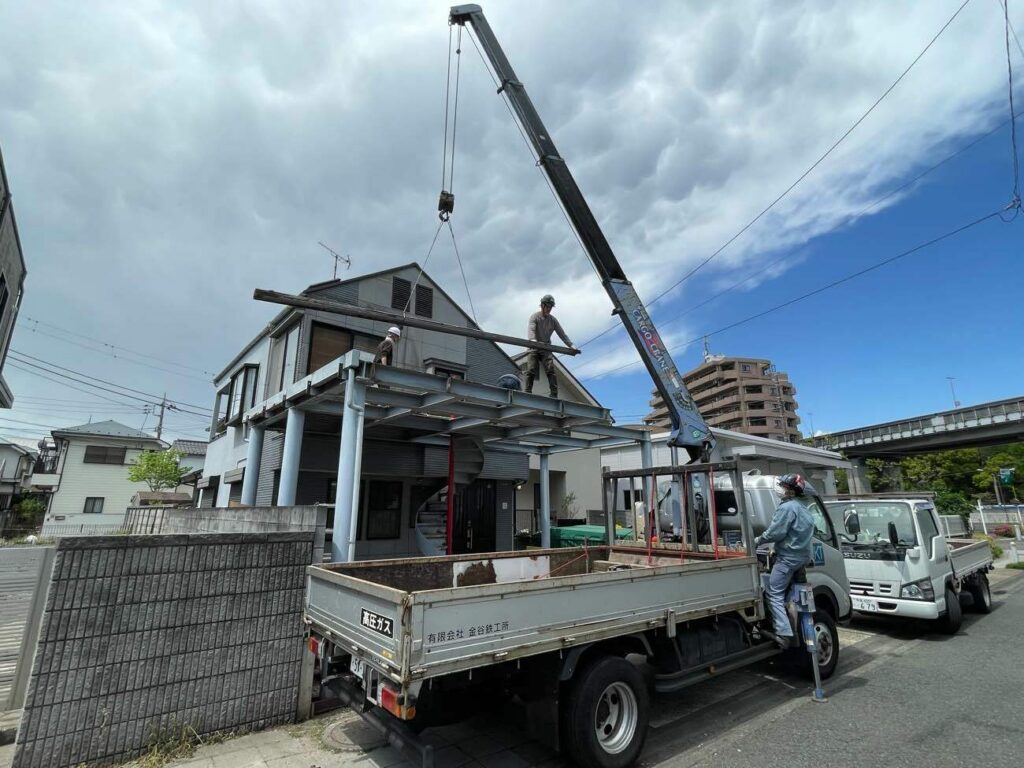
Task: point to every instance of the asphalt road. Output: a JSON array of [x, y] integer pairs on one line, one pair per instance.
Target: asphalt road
[[903, 695]]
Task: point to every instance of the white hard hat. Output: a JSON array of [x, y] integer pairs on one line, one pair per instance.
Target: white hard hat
[[394, 330]]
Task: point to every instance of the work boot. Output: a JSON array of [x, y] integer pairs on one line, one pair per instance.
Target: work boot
[[529, 382], [552, 387]]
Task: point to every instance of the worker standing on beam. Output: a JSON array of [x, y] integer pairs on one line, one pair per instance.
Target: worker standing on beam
[[542, 324], [385, 354]]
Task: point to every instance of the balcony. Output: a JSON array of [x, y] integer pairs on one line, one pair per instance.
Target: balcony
[[44, 481]]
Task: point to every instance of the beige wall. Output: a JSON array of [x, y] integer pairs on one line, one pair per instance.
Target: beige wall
[[79, 481]]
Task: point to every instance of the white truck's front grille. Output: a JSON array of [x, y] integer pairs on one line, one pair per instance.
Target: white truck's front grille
[[876, 588]]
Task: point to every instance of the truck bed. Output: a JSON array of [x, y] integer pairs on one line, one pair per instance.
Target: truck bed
[[418, 618], [967, 556]]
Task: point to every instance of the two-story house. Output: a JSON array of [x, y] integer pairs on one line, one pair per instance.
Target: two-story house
[[16, 463], [12, 278], [87, 474], [280, 413]]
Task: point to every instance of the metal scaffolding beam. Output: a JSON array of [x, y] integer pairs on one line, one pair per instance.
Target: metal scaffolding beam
[[397, 318]]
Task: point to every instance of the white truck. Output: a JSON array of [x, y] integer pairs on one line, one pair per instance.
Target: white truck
[[900, 564]]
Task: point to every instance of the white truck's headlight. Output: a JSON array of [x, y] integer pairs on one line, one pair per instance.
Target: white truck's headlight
[[918, 590]]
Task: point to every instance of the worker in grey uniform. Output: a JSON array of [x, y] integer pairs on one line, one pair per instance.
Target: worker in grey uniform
[[791, 530], [542, 324]]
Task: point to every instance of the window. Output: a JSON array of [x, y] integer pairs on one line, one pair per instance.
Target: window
[[823, 530], [4, 294], [424, 301], [101, 454], [220, 409], [778, 422], [327, 343], [928, 528], [288, 345], [745, 368], [93, 505], [384, 509], [401, 290], [242, 391], [401, 294]]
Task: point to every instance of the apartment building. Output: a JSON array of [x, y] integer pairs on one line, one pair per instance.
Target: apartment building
[[742, 394]]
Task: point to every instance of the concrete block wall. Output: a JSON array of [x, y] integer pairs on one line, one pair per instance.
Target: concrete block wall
[[141, 633]]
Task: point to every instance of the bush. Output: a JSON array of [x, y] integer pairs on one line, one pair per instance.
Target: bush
[[1003, 530], [997, 551], [1016, 566]]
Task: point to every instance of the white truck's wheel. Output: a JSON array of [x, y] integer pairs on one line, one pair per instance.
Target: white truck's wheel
[[606, 714], [954, 617], [981, 593]]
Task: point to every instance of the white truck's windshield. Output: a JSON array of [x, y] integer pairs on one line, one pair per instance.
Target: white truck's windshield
[[875, 518]]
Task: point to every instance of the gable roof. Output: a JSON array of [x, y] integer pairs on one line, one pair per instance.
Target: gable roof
[[327, 284], [107, 428], [19, 448], [190, 447]]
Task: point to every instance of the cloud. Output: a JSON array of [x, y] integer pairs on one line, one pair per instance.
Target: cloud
[[167, 159]]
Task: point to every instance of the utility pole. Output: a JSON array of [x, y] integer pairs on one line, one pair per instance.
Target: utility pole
[[956, 403], [160, 421]]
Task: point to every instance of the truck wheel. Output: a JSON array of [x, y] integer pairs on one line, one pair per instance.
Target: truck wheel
[[826, 637], [954, 617], [606, 714], [981, 594]]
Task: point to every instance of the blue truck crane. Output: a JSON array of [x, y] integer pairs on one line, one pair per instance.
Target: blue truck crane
[[688, 427]]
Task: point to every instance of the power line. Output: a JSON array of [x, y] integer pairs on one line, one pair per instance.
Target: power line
[[792, 251], [13, 364], [799, 179], [828, 286], [115, 346], [1013, 120], [115, 355], [156, 398]]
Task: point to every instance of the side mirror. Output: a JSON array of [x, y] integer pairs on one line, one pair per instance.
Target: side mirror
[[852, 523], [894, 537]]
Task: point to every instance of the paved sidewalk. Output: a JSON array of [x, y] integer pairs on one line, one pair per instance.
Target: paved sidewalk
[[341, 739]]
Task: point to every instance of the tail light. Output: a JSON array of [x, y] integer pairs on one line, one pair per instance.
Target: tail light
[[314, 646], [394, 702]]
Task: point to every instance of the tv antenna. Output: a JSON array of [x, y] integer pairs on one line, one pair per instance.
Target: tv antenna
[[337, 257]]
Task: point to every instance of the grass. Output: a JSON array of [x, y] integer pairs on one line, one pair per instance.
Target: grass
[[174, 742], [1016, 566]]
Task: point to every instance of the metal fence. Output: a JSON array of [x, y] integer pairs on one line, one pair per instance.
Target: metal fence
[[143, 520], [1004, 520]]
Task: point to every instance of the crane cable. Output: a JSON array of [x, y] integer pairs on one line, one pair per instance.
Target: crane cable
[[1015, 199]]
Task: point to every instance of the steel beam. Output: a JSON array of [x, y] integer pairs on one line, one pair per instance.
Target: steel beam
[[396, 318]]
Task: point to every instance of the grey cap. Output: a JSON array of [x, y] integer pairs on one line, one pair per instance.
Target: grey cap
[[547, 298]]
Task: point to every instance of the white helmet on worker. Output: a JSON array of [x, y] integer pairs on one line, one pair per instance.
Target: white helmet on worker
[[395, 331]]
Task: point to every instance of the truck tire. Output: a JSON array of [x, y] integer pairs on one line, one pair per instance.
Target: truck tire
[[951, 621], [981, 593], [827, 638], [605, 714]]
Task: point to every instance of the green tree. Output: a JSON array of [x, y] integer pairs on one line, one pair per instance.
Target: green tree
[[996, 459], [158, 470]]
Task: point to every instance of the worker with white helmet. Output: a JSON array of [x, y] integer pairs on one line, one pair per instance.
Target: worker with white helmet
[[386, 349], [542, 324]]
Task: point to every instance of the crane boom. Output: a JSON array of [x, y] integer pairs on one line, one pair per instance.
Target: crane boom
[[688, 427]]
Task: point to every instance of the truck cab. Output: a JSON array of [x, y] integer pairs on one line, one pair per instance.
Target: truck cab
[[828, 575], [900, 564]]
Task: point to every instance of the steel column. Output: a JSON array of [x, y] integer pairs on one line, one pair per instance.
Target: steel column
[[290, 458], [253, 454], [449, 522], [650, 489], [350, 459], [545, 502]]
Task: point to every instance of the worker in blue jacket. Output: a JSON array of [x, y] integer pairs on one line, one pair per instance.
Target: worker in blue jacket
[[791, 530]]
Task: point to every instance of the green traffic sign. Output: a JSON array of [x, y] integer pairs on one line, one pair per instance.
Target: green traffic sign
[[1006, 475]]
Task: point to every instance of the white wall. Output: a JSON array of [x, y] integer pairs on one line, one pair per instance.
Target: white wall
[[79, 481]]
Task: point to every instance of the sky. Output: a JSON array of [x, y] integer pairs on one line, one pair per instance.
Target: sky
[[167, 159]]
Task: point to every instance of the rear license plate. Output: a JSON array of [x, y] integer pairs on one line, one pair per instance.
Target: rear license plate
[[358, 667], [863, 604]]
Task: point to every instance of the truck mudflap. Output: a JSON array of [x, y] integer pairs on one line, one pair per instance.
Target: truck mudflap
[[398, 734]]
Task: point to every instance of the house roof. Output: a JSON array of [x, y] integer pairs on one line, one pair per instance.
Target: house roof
[[321, 286], [107, 428], [190, 447], [18, 447]]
